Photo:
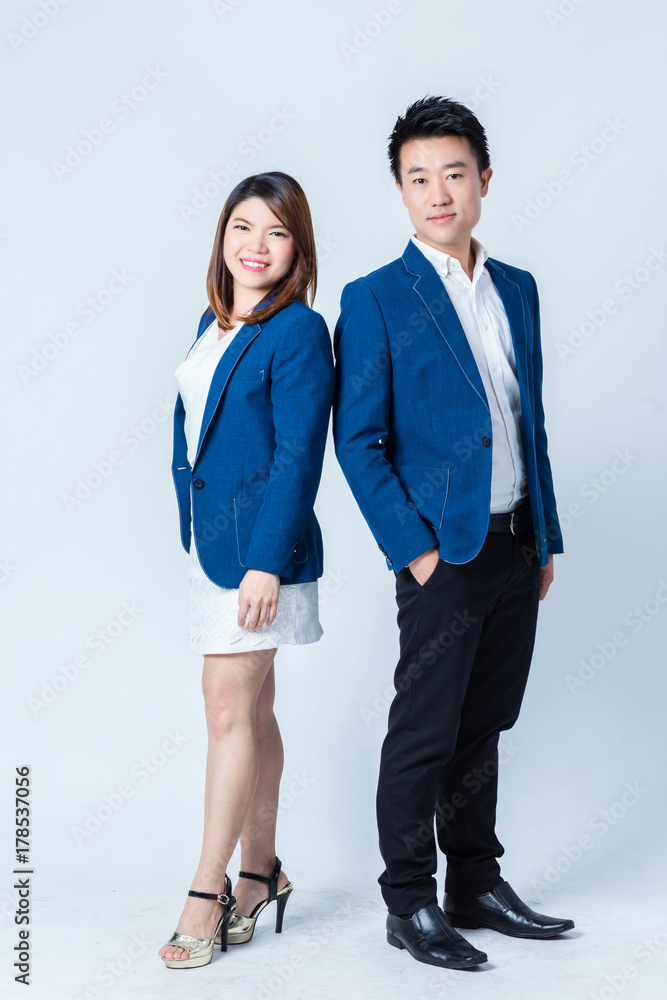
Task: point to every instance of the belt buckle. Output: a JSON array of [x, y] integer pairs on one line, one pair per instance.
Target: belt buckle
[[512, 516]]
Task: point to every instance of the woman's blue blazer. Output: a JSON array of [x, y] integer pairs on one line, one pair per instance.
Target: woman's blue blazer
[[255, 475]]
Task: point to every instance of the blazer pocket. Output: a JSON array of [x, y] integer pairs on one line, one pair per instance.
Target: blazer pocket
[[302, 551], [246, 509], [427, 489]]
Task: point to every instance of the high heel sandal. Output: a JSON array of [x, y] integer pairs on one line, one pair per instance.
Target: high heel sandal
[[241, 928], [201, 949]]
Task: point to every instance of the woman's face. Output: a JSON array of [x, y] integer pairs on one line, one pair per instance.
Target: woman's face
[[257, 248]]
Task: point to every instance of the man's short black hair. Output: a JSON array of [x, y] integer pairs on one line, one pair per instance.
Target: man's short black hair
[[432, 117]]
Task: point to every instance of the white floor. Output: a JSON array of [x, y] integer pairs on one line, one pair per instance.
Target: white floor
[[333, 946]]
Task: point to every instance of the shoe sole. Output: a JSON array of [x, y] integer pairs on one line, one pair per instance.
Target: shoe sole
[[453, 964], [469, 924], [186, 963]]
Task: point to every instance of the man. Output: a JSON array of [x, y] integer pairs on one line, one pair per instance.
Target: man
[[439, 430]]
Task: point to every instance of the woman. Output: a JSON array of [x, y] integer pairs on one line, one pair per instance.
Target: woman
[[250, 427]]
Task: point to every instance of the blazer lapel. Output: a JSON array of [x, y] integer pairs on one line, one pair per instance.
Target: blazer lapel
[[224, 369], [227, 363], [433, 294], [512, 298], [204, 324]]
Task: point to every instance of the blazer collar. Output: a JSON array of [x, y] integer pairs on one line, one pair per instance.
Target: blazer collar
[[209, 316], [429, 287]]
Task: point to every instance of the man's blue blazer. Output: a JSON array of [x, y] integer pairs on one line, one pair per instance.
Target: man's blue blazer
[[412, 427], [258, 464]]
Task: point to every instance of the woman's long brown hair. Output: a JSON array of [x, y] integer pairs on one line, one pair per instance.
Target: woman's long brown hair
[[286, 199]]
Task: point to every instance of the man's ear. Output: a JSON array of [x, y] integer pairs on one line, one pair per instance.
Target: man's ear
[[485, 177], [400, 191]]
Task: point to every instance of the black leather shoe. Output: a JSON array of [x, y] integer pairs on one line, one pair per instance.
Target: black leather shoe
[[502, 910], [429, 937]]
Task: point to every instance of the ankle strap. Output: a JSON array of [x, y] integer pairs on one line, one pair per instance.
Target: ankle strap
[[270, 880], [221, 897]]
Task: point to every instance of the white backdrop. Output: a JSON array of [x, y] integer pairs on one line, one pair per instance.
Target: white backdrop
[[125, 126]]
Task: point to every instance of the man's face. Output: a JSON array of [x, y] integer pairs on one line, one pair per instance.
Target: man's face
[[442, 190]]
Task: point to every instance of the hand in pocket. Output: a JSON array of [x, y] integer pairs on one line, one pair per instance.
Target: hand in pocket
[[423, 567]]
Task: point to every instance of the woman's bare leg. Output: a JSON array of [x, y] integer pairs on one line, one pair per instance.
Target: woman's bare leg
[[258, 839], [231, 683]]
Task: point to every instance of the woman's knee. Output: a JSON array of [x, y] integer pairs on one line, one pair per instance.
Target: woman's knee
[[235, 695], [225, 716]]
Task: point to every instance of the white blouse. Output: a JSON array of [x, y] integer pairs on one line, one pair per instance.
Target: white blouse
[[194, 377]]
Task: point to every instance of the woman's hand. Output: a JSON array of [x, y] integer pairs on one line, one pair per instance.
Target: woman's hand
[[258, 594]]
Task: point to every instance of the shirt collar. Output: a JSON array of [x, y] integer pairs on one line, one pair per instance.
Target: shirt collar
[[445, 264]]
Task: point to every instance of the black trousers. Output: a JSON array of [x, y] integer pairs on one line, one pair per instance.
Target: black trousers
[[466, 640]]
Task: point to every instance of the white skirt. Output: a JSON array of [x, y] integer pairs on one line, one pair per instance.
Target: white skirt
[[214, 613]]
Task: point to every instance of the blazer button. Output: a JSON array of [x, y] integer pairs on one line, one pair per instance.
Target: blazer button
[[486, 441], [293, 560], [297, 543], [198, 484]]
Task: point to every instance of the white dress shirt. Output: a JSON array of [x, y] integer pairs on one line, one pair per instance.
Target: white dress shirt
[[484, 320]]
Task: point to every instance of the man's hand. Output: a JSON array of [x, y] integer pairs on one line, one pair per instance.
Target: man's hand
[[546, 577], [422, 567], [258, 594]]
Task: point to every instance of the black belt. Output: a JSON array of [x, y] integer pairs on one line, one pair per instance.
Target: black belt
[[515, 520]]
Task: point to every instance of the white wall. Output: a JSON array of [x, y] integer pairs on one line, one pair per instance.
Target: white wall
[[545, 86]]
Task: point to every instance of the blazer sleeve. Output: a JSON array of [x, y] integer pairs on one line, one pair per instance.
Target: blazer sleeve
[[552, 524], [302, 377], [362, 406]]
